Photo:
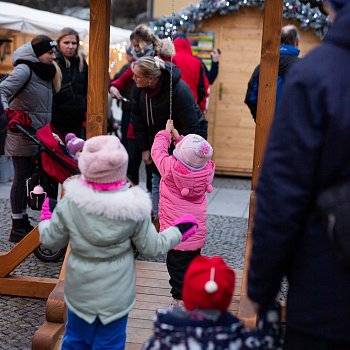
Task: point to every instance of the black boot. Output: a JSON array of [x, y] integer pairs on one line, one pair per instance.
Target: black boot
[[18, 231], [27, 226]]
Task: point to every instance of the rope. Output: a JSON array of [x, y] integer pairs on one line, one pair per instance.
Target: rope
[[171, 60]]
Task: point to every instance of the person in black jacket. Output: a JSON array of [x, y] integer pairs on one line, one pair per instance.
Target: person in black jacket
[[308, 151], [152, 109], [289, 53], [214, 68], [70, 103]]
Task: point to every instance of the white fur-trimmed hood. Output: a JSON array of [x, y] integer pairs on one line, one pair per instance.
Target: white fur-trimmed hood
[[128, 203]]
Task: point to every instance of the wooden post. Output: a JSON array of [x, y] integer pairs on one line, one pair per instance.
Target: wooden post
[[98, 68], [266, 106]]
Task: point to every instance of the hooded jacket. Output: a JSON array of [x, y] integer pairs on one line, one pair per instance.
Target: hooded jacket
[[179, 329], [152, 108], [36, 99], [100, 227], [182, 191], [288, 56], [192, 71], [307, 151]]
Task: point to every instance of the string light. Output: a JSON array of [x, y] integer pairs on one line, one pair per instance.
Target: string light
[[190, 18]]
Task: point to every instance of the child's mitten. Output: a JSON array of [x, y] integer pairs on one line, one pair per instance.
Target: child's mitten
[[187, 224], [47, 208]]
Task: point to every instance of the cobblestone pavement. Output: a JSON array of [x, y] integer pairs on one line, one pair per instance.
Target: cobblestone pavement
[[21, 317]]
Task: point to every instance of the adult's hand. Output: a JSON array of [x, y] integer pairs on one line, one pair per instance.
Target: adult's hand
[[215, 55], [146, 157], [115, 93]]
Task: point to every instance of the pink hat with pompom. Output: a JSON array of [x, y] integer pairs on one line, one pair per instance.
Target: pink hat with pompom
[[193, 151], [103, 160], [73, 143]]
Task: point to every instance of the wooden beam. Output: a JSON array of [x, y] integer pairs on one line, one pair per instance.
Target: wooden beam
[[10, 260], [97, 107], [32, 287], [271, 39]]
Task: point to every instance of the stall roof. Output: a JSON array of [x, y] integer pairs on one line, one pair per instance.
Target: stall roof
[[28, 20]]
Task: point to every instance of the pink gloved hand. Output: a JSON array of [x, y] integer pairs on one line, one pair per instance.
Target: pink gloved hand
[[187, 224], [47, 208]]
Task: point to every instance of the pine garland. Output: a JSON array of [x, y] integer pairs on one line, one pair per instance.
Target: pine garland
[[190, 18]]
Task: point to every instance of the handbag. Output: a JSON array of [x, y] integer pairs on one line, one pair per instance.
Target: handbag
[[334, 204]]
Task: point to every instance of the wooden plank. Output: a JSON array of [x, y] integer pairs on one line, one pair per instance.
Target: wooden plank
[[10, 260], [152, 283], [132, 346], [32, 287], [152, 290], [158, 275], [138, 335], [150, 265]]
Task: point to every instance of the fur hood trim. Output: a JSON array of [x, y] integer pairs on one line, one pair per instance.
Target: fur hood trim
[[128, 203]]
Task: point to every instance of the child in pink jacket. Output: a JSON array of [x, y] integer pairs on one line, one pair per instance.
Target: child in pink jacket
[[186, 176]]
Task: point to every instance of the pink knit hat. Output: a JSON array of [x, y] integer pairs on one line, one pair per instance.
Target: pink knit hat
[[193, 151], [103, 160], [73, 143]]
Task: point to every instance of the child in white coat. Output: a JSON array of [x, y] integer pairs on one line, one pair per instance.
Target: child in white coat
[[100, 216]]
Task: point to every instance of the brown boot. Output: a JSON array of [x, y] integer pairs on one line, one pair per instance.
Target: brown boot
[[156, 224]]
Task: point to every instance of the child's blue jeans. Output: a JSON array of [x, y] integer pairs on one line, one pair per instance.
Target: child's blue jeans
[[81, 335]]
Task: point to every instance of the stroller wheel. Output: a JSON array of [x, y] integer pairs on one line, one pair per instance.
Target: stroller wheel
[[48, 255]]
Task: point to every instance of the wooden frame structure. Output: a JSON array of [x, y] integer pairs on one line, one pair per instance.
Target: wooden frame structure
[[266, 106], [49, 333]]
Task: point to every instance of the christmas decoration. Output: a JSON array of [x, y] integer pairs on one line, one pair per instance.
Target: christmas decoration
[[190, 18]]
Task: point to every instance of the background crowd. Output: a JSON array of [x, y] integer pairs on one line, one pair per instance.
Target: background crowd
[[164, 92]]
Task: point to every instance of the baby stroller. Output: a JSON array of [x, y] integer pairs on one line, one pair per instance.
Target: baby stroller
[[53, 166]]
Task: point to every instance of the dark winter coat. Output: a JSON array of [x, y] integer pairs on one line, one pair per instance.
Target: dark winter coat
[[288, 56], [308, 150], [152, 109], [70, 103], [180, 329]]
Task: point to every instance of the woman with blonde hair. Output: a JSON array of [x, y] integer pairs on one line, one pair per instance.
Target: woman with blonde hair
[[28, 91], [152, 109], [70, 103], [143, 44]]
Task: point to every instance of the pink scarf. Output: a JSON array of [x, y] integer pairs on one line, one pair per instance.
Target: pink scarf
[[112, 186]]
